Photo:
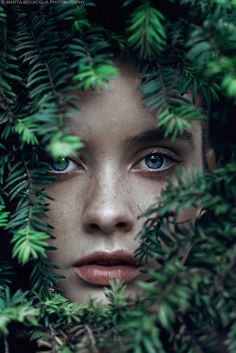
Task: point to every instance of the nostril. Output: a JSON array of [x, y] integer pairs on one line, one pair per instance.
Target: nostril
[[93, 227], [122, 226]]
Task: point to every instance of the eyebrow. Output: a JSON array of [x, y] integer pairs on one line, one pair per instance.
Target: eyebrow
[[156, 134]]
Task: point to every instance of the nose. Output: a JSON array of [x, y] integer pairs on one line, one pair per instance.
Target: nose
[[107, 210]]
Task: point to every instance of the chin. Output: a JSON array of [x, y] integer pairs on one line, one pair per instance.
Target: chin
[[87, 293]]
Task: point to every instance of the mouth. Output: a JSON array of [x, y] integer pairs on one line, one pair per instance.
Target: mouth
[[100, 268]]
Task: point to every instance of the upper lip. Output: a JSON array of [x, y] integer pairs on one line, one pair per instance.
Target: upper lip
[[108, 258]]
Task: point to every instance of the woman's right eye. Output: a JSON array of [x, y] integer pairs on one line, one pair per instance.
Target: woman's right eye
[[62, 166]]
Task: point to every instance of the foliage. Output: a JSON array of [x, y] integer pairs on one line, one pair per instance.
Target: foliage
[[147, 31], [46, 53], [15, 308]]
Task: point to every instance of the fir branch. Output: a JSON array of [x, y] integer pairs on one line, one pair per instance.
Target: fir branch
[[15, 308], [147, 31], [6, 272], [190, 297]]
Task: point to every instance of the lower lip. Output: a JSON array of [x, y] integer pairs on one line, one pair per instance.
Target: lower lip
[[102, 275]]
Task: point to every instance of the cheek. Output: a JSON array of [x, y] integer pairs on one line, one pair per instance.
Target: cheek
[[67, 197], [63, 209], [64, 213], [145, 192]]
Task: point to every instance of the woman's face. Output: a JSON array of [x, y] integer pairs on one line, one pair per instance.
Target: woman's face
[[116, 176]]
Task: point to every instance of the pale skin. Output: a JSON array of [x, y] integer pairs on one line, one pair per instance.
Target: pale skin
[[116, 176]]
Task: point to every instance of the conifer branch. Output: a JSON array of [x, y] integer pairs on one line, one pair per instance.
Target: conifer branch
[[181, 47]]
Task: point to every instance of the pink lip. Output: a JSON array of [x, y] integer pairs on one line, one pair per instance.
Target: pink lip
[[100, 268]]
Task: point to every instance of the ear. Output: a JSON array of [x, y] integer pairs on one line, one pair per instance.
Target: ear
[[211, 159]]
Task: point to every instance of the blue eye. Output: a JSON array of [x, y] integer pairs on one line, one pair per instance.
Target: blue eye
[[154, 161], [60, 165], [64, 167]]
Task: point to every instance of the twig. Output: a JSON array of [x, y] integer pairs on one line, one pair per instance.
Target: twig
[[92, 339], [55, 341], [6, 345]]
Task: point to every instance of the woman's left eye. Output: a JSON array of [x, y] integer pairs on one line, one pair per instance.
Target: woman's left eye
[[61, 165], [157, 162]]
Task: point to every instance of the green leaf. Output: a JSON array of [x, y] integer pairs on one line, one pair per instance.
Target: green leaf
[[29, 244], [94, 76], [147, 31], [64, 146], [27, 128], [3, 216]]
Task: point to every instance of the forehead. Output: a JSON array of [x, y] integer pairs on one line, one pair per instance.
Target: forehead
[[119, 104], [117, 111]]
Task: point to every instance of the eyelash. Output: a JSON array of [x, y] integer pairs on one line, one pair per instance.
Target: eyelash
[[169, 159], [62, 174]]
